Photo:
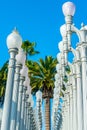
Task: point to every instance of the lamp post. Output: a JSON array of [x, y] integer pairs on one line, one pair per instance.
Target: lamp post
[[39, 110], [27, 92], [27, 107], [25, 114], [18, 120], [20, 59], [28, 113], [69, 10], [79, 65], [14, 42], [24, 73], [56, 105], [74, 97], [31, 103]]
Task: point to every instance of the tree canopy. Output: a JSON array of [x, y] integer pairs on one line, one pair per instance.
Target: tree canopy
[[42, 73]]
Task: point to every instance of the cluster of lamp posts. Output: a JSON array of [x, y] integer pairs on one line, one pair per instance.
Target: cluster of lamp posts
[[18, 112], [68, 114]]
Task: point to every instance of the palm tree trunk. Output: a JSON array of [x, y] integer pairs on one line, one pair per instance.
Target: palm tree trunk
[[47, 113]]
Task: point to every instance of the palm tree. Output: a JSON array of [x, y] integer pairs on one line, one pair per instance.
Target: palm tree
[[3, 78], [42, 77], [29, 48]]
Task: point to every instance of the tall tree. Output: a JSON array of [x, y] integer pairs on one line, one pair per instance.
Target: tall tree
[[42, 77]]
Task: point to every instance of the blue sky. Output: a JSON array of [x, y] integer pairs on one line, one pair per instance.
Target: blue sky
[[36, 20]]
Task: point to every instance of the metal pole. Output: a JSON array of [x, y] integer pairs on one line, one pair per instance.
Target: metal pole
[[9, 89]]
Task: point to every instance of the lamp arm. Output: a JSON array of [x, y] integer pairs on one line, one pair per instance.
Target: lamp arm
[[73, 51], [76, 30]]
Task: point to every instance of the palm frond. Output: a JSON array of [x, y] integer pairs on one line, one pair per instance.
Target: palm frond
[[29, 48]]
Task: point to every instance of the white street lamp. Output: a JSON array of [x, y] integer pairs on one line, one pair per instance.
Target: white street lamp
[[79, 80], [68, 10], [24, 73], [20, 60], [14, 42], [26, 84], [31, 103]]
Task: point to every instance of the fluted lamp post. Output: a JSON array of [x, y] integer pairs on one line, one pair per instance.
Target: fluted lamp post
[[27, 92], [14, 42], [27, 106], [56, 104], [21, 84], [31, 103], [24, 73], [20, 60]]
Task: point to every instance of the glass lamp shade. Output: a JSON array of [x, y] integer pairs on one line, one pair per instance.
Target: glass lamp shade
[[59, 57], [63, 30], [24, 71], [60, 45], [39, 95], [20, 57], [68, 8], [14, 40], [27, 81]]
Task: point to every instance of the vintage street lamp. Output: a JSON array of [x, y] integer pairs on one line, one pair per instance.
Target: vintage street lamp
[[24, 73], [14, 42], [20, 60], [78, 101]]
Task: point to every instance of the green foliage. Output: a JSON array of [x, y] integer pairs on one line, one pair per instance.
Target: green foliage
[[63, 87], [42, 73], [28, 47], [3, 78], [65, 78], [61, 94], [67, 69]]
